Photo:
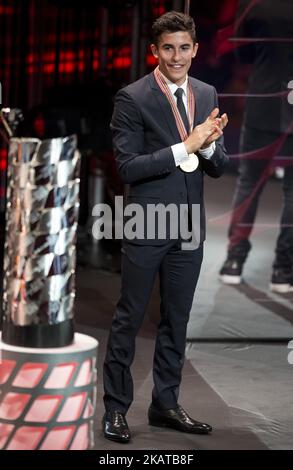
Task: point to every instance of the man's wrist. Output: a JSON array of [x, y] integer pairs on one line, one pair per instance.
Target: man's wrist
[[204, 146], [179, 153], [189, 148], [208, 151]]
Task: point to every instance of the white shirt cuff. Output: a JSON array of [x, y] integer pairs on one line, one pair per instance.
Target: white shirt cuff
[[208, 151], [179, 153]]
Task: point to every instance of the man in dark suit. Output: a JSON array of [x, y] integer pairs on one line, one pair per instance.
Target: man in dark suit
[[156, 136]]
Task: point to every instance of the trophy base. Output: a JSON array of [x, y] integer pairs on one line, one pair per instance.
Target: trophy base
[[48, 396], [39, 336]]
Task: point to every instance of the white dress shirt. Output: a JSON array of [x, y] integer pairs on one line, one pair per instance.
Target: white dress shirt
[[179, 150]]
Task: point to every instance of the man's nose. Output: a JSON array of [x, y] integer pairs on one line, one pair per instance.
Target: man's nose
[[176, 55]]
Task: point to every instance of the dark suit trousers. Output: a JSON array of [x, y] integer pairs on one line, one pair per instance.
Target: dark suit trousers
[[179, 271]]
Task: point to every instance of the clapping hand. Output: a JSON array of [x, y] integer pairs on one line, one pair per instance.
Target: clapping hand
[[220, 123]]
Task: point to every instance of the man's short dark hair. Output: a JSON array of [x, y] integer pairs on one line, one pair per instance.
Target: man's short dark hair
[[171, 22]]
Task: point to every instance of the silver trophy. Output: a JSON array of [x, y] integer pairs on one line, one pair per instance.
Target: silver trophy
[[41, 222]]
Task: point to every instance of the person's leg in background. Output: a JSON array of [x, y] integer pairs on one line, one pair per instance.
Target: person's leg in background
[[282, 276], [254, 172]]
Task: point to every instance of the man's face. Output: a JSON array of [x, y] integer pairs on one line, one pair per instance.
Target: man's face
[[175, 52]]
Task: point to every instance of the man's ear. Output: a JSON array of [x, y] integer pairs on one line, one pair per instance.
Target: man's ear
[[154, 50], [195, 49]]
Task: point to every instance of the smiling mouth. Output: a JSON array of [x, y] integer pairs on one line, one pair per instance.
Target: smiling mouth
[[176, 66]]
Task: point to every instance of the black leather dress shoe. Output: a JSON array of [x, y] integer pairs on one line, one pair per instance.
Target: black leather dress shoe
[[176, 418], [115, 427]]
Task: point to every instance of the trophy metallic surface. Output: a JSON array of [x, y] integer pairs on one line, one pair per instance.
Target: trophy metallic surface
[[41, 223], [47, 373]]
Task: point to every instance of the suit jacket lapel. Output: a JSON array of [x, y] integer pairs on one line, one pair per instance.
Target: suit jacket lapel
[[165, 107], [167, 110], [198, 105]]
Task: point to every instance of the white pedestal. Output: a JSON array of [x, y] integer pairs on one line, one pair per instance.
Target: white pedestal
[[48, 396]]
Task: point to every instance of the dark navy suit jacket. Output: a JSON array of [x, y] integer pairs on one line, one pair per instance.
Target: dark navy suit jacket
[[144, 129]]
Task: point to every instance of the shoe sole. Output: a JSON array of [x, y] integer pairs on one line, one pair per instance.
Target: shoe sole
[[170, 426], [281, 288], [228, 279], [116, 439]]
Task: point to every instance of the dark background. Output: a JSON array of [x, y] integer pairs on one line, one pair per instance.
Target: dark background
[[62, 61]]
